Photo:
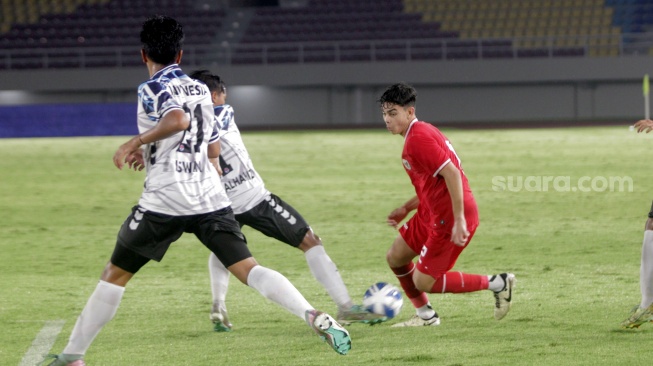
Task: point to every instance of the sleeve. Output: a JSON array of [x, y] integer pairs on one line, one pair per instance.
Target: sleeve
[[430, 153], [157, 100], [224, 115], [216, 133]]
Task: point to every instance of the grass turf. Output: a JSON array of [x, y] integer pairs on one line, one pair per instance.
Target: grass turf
[[575, 253]]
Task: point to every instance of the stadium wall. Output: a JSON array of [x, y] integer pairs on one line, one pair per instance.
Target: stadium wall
[[532, 91]]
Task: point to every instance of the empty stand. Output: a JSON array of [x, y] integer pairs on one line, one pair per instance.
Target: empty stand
[[102, 27], [100, 33]]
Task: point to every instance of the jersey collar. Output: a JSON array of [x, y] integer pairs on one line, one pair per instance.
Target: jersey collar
[[409, 127], [164, 70]]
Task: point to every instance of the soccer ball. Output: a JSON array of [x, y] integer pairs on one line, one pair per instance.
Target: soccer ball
[[384, 299]]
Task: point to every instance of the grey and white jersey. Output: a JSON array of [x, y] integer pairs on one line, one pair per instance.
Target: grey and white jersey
[[241, 181], [180, 179]]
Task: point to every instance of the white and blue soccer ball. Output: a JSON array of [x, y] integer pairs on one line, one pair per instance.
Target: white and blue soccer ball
[[384, 299]]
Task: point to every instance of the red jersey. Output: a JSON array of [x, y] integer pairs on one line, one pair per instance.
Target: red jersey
[[426, 152]]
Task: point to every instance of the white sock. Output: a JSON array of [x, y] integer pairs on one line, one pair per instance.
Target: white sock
[[326, 273], [219, 276], [99, 310], [646, 270], [426, 311], [276, 288], [496, 283]]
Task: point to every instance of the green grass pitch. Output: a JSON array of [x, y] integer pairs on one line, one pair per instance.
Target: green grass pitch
[[572, 241]]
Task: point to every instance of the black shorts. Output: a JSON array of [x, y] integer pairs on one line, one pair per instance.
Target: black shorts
[[277, 219], [149, 234]]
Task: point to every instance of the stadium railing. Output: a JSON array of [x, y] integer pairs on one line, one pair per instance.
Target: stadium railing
[[340, 52]]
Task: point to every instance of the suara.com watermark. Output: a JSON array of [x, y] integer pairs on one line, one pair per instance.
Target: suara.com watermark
[[549, 183]]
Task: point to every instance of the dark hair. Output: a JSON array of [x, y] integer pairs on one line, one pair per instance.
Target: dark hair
[[212, 81], [162, 38], [400, 94]]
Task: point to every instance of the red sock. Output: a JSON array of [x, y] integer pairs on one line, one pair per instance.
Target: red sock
[[458, 282], [405, 276]]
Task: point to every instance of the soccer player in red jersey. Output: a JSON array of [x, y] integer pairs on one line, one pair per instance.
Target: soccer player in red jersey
[[446, 217]]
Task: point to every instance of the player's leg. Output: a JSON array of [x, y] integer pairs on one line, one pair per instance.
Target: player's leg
[[404, 249], [326, 273], [220, 233], [643, 313], [101, 306], [434, 275], [400, 259], [219, 276], [138, 242], [232, 251], [646, 267], [278, 219]]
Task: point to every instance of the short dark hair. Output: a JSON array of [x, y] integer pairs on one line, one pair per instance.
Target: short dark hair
[[400, 94], [214, 82], [162, 38]]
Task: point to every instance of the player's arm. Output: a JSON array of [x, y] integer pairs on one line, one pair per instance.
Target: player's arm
[[135, 160], [214, 154], [454, 181], [644, 125], [400, 213], [172, 122]]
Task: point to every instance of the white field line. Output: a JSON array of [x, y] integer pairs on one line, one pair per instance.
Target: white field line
[[42, 343]]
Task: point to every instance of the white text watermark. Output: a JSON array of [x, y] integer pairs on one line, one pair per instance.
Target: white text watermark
[[549, 183]]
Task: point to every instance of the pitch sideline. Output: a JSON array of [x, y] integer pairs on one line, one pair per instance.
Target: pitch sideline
[[42, 343]]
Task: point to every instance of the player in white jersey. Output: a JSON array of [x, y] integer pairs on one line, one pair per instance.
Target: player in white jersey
[[260, 209], [642, 313], [181, 194]]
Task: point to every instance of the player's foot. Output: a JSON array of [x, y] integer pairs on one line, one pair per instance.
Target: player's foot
[[329, 330], [638, 316], [503, 298], [358, 314], [64, 360], [416, 321], [219, 318]]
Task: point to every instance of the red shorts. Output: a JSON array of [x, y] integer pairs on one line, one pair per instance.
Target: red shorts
[[437, 253]]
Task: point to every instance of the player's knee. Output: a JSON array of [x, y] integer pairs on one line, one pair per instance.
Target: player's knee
[[310, 240], [389, 257], [116, 275], [241, 269], [394, 259], [399, 254], [424, 283]]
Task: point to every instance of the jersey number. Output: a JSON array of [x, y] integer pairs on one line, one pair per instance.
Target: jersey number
[[185, 145]]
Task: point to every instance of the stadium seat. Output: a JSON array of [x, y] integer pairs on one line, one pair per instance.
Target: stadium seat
[[340, 30]]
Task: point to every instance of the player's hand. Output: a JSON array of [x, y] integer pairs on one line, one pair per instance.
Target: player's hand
[[135, 160], [216, 165], [644, 125], [459, 233], [124, 151], [396, 216]]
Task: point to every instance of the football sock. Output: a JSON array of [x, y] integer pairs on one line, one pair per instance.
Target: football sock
[[646, 270], [278, 289], [426, 312], [219, 276], [496, 283], [99, 310], [458, 282], [326, 273], [405, 276]]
